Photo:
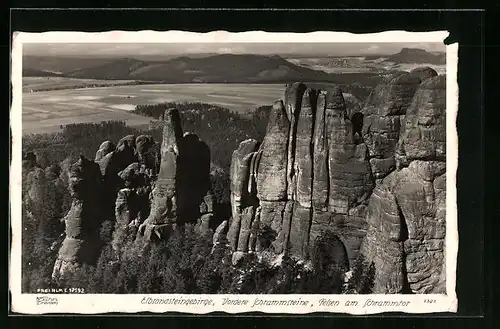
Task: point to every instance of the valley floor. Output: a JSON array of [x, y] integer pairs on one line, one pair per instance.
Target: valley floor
[[46, 111]]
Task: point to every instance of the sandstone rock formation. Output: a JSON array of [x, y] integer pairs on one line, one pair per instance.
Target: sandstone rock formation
[[195, 199], [81, 244], [182, 192], [132, 204], [308, 176], [116, 159], [36, 184], [111, 195], [424, 72], [41, 203], [105, 148], [146, 153], [406, 212], [126, 211], [220, 235], [130, 166], [374, 178], [385, 108], [383, 117]]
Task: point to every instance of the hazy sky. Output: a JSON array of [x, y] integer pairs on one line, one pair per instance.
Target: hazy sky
[[128, 49]]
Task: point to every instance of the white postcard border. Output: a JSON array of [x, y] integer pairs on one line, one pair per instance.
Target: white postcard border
[[202, 304]]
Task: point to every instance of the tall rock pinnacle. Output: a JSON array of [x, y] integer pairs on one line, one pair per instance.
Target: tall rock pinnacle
[[164, 204], [182, 193], [271, 177]]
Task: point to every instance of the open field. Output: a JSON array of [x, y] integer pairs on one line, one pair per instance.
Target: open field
[[36, 83], [45, 111]]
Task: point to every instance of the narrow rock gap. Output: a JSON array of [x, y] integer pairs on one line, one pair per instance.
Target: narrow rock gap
[[314, 104], [403, 237], [327, 157], [357, 127], [371, 176], [308, 245], [294, 116]]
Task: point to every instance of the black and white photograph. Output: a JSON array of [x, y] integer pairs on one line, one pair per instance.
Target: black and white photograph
[[234, 173]]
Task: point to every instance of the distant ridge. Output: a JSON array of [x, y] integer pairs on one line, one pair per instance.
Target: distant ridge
[[220, 68], [61, 65], [28, 72], [118, 69], [216, 68], [417, 56]]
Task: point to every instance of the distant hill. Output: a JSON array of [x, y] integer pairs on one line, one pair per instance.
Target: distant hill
[[28, 72], [59, 64], [118, 69], [162, 58], [417, 56], [215, 68]]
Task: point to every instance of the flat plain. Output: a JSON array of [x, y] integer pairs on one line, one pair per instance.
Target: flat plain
[[44, 83], [46, 111]]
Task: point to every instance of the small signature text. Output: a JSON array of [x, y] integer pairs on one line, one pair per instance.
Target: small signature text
[[46, 300]]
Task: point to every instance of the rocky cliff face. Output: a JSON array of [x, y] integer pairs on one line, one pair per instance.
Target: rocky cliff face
[[308, 176], [374, 178], [383, 114], [406, 212], [383, 117]]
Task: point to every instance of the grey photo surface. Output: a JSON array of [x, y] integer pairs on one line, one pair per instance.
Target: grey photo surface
[[234, 168]]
